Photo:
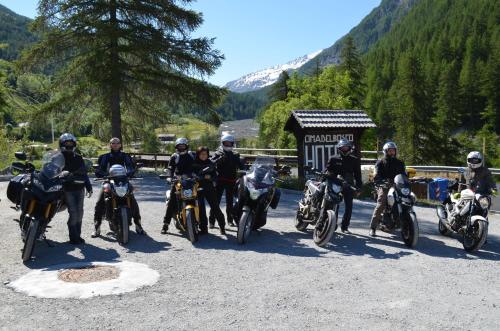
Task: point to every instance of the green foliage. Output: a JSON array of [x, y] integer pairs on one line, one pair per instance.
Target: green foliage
[[150, 142], [89, 147], [13, 32], [238, 106], [279, 90]]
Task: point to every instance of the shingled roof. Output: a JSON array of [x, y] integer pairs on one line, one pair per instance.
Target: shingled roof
[[338, 118]]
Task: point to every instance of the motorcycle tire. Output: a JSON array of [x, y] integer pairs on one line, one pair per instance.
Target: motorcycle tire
[[442, 228], [409, 230], [123, 227], [474, 243], [299, 223], [323, 232], [30, 239], [191, 226], [245, 226]]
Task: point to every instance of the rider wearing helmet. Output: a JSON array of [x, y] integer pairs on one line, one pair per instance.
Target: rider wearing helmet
[[105, 162], [228, 163], [385, 170], [74, 192], [477, 177], [181, 163], [349, 167]]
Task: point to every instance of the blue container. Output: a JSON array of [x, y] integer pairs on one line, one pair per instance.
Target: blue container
[[438, 189]]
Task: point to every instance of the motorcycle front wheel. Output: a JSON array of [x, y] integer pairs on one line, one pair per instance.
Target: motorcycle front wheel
[[475, 238], [323, 232], [30, 239], [191, 226], [123, 229], [245, 226], [409, 230]]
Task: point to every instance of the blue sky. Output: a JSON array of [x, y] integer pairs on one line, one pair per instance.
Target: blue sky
[[256, 34]]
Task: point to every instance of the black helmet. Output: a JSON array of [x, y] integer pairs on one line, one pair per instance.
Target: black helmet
[[344, 143], [67, 143]]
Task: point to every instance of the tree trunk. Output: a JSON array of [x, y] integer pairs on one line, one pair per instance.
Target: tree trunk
[[114, 91]]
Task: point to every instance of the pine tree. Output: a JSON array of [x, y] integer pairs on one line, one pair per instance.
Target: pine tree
[[351, 63], [117, 51], [279, 90], [413, 113]]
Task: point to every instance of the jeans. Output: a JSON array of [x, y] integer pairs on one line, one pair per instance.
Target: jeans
[[74, 203]]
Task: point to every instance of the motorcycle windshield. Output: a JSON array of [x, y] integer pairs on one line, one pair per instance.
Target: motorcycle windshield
[[262, 171], [401, 181], [52, 164]]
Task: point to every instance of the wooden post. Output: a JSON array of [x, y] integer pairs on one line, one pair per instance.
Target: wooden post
[[156, 161]]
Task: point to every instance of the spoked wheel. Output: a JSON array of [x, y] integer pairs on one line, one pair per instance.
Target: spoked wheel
[[191, 226], [475, 237], [30, 239], [409, 230], [299, 223], [245, 227], [324, 231], [123, 230]]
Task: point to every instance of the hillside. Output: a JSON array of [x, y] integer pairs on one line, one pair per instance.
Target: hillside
[[13, 32]]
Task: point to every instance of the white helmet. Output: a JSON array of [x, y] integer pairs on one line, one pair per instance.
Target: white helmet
[[474, 160], [181, 141], [227, 142], [389, 145]]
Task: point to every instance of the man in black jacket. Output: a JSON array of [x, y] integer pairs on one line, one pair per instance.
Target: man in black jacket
[[228, 163], [105, 161], [181, 163], [385, 170], [349, 167], [74, 187]]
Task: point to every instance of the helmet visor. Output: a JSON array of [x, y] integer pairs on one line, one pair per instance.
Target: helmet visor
[[474, 160]]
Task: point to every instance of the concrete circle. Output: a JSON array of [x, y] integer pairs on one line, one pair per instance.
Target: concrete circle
[[86, 279]]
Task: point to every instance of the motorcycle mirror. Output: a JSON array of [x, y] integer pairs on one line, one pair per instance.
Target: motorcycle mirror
[[461, 170], [20, 156]]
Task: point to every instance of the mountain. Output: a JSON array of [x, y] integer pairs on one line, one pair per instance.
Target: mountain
[[373, 27], [266, 77], [13, 32]]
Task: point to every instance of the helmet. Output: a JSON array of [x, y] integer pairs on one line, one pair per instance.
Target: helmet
[[117, 170], [227, 142], [388, 145], [67, 143], [474, 160], [181, 141], [344, 143]]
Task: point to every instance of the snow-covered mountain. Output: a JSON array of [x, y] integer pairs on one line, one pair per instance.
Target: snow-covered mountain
[[259, 79]]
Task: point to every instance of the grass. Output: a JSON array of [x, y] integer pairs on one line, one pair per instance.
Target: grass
[[190, 128]]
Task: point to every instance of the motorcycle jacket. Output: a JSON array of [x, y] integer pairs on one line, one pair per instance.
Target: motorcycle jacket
[[181, 164], [74, 164], [479, 180], [228, 164], [348, 166], [107, 160], [388, 168]]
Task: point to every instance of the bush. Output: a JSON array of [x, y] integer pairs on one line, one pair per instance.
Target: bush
[[89, 146]]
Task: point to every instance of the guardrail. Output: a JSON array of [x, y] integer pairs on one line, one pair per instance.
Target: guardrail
[[494, 171]]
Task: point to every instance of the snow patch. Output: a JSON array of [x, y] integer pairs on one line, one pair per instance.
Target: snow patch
[[45, 283]]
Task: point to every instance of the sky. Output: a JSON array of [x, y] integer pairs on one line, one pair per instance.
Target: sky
[[257, 34]]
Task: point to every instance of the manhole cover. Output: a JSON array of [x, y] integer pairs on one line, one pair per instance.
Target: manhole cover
[[95, 273], [86, 279]]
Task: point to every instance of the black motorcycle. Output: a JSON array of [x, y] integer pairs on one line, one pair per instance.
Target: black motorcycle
[[38, 195], [314, 201], [117, 201], [256, 193], [465, 213], [400, 213]]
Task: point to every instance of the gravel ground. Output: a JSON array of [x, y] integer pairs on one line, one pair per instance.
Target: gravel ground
[[279, 280]]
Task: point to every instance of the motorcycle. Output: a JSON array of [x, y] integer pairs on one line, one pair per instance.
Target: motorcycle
[[310, 207], [256, 193], [465, 213], [400, 213], [187, 215], [117, 192], [38, 195]]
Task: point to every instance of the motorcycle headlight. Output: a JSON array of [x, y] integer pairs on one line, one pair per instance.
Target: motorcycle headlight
[[405, 191], [336, 188], [187, 193], [484, 202], [55, 188], [121, 191], [256, 193]]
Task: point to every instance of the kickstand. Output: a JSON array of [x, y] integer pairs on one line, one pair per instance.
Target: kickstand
[[48, 243]]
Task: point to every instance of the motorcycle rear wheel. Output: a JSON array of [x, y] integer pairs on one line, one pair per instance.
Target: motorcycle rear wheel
[[30, 239], [323, 232]]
